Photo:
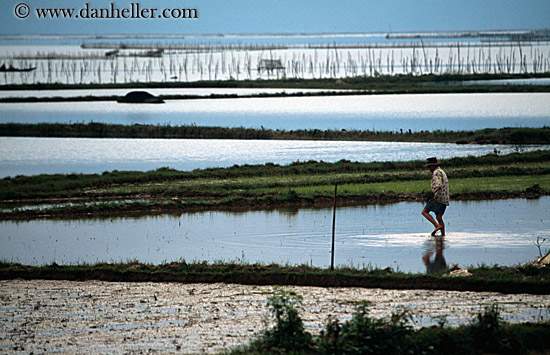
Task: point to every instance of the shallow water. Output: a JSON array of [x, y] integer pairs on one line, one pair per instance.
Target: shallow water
[[489, 232], [373, 112], [399, 113], [31, 156]]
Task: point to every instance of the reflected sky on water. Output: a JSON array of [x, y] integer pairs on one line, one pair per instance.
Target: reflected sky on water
[[31, 156], [399, 113], [370, 112], [483, 232]]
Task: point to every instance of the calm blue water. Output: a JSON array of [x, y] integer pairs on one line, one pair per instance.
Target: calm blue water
[[489, 232], [32, 156], [485, 232], [370, 112]]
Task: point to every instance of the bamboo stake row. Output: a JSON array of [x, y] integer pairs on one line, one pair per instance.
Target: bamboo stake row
[[329, 62]]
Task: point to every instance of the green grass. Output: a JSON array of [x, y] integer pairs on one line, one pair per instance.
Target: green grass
[[503, 183], [272, 185], [513, 279], [459, 186], [515, 135], [357, 83], [269, 175]]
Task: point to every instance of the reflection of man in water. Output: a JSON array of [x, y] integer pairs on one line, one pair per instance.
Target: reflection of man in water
[[438, 263]]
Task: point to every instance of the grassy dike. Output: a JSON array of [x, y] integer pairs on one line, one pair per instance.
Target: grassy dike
[[516, 279], [300, 184], [400, 83], [509, 135]]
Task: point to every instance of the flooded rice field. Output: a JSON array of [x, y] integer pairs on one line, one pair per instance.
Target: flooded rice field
[[111, 317], [33, 156], [398, 113], [499, 232], [416, 112], [60, 316]]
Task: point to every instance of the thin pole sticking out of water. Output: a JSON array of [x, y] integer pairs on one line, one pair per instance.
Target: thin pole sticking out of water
[[333, 228]]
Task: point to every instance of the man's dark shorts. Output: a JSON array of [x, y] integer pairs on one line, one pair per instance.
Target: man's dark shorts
[[435, 207]]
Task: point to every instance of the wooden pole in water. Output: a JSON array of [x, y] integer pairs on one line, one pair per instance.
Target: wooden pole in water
[[333, 228]]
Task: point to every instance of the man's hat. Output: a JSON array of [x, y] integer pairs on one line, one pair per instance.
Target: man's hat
[[432, 162]]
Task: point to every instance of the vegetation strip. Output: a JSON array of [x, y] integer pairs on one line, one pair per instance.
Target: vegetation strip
[[362, 334], [390, 82], [427, 89], [509, 135], [267, 186], [528, 279]]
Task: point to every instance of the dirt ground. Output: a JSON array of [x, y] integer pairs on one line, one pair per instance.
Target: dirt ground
[[113, 317]]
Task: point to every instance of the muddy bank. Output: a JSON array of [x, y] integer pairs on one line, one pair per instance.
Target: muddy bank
[[102, 317], [511, 280]]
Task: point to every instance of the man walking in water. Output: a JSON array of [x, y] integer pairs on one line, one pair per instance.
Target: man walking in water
[[440, 201]]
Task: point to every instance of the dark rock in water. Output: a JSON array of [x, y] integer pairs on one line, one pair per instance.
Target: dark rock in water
[[139, 97]]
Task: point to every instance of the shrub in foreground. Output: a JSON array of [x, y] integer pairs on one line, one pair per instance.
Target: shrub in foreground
[[365, 335], [487, 333], [288, 335]]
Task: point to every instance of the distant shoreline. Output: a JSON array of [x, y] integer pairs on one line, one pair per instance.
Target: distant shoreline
[[380, 85]]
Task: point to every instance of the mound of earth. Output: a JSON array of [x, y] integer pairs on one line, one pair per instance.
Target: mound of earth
[[139, 97]]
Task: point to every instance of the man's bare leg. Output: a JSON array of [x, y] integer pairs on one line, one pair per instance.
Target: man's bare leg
[[429, 217], [441, 223]]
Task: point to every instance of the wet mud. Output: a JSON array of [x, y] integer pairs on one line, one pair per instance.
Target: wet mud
[[120, 317]]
